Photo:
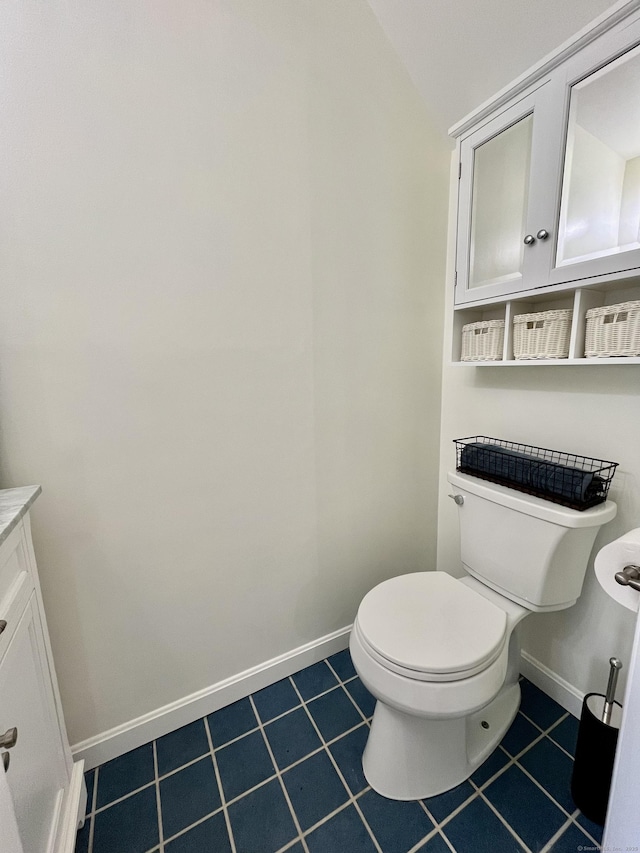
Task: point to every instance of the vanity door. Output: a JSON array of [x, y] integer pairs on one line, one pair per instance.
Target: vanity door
[[32, 753]]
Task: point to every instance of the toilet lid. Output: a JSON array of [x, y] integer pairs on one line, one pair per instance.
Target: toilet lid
[[431, 623]]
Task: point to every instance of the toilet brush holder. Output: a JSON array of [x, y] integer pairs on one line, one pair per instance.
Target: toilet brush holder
[[595, 751]]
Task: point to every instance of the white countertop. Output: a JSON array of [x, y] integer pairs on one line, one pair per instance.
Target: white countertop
[[14, 504]]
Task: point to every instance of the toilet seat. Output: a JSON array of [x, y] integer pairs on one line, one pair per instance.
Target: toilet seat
[[431, 627]]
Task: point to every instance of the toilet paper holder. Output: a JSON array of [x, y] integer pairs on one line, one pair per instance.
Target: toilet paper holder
[[629, 576]]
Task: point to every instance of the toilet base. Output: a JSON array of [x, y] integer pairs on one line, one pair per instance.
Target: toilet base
[[410, 758]]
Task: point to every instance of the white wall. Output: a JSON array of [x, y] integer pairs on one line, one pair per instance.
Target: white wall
[[591, 410], [222, 239]]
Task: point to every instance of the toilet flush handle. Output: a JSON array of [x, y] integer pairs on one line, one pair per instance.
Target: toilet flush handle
[[457, 499]]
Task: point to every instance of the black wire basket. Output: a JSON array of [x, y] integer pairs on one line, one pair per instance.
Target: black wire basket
[[575, 481]]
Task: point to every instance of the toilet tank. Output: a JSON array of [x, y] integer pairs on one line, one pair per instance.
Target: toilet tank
[[530, 550]]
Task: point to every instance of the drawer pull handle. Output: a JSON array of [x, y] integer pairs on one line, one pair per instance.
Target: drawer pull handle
[[9, 738], [3, 625], [6, 758]]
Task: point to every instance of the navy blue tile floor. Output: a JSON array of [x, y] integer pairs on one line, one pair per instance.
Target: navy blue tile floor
[[281, 771]]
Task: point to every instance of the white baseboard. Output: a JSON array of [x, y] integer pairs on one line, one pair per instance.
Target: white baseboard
[[117, 741], [552, 684]]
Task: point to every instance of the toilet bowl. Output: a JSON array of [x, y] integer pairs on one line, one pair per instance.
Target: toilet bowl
[[441, 655], [434, 679]]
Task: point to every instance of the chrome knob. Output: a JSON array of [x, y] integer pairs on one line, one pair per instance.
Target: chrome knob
[[6, 758], [3, 625], [9, 738], [542, 234], [457, 499], [529, 240]]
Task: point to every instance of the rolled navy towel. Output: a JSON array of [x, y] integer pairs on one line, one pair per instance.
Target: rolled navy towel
[[531, 472]]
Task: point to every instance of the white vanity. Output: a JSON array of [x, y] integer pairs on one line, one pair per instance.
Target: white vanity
[[46, 788]]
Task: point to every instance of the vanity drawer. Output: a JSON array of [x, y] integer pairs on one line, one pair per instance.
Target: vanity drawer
[[16, 583]]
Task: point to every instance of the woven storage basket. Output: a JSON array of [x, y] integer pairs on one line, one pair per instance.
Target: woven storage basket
[[544, 334], [613, 330], [483, 341]]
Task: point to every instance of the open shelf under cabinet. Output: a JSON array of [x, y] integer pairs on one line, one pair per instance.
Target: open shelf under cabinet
[[579, 301]]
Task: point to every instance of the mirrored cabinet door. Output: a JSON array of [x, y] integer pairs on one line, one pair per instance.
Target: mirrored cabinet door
[[501, 207], [599, 218]]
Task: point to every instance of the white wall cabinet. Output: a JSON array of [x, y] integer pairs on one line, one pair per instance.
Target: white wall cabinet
[[502, 200], [549, 186], [46, 787]]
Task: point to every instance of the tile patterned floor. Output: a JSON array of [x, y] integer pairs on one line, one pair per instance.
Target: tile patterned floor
[[281, 771]]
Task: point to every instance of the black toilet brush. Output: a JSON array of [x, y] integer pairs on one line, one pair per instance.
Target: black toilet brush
[[596, 749]]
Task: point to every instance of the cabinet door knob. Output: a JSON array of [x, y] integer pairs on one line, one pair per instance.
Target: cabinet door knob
[[9, 738], [3, 625], [6, 758], [529, 240], [542, 234]]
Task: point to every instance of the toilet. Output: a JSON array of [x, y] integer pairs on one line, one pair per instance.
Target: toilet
[[441, 655]]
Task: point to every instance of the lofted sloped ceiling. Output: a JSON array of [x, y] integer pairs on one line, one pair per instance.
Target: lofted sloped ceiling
[[461, 52]]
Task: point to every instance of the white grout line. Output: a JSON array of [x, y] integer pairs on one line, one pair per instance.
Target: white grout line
[[307, 832], [94, 800], [220, 788], [548, 731], [504, 821], [351, 799], [158, 803], [549, 845], [510, 762], [533, 743], [428, 813], [448, 843], [543, 733], [282, 785], [549, 734], [132, 793], [454, 813], [582, 828], [342, 684], [289, 845], [418, 846], [542, 788], [436, 832], [244, 734]]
